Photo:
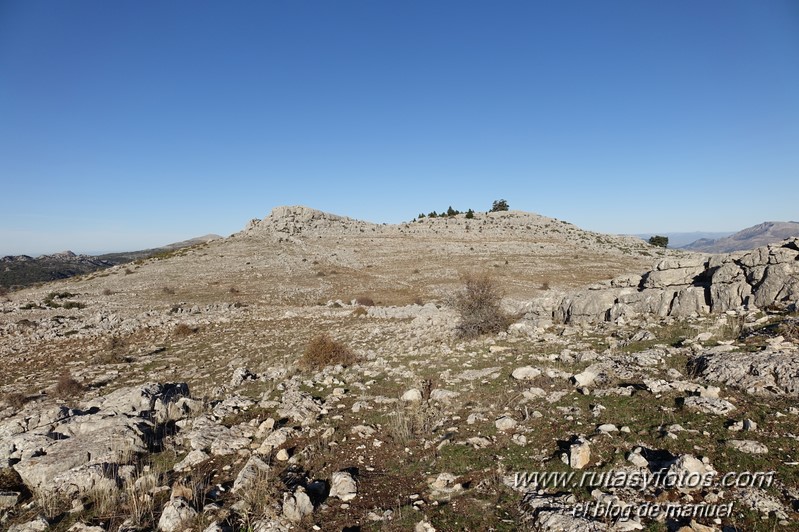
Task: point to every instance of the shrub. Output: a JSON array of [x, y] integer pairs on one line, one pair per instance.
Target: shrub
[[168, 290], [659, 241], [67, 386], [789, 329], [182, 330], [478, 304], [359, 311], [499, 205], [49, 300], [107, 292], [16, 400], [324, 351], [365, 301]]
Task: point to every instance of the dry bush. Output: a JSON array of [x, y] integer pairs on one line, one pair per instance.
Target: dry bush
[[365, 301], [360, 311], [182, 330], [545, 285], [324, 351], [15, 400], [412, 422], [107, 292], [234, 290], [732, 328], [789, 329], [67, 386], [168, 290], [478, 304]]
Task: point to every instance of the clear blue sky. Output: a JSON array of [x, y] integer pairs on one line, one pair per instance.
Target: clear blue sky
[[135, 123]]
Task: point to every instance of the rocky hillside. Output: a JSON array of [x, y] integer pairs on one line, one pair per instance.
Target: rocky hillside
[[186, 392], [18, 271], [747, 239]]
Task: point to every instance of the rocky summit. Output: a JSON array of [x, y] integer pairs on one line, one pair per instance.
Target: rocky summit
[[506, 371]]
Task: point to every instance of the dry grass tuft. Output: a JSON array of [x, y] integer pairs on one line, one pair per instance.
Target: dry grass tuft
[[168, 290], [478, 304], [360, 311], [67, 386], [324, 351], [789, 329], [182, 330], [365, 301], [15, 400], [107, 292]]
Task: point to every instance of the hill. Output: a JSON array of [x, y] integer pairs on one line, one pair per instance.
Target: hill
[[307, 373], [17, 271], [747, 239]]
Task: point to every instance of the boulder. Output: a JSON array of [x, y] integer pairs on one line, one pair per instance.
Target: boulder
[[297, 505], [176, 512], [525, 373], [343, 486]]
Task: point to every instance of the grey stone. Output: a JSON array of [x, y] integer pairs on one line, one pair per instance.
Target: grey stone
[[709, 405], [343, 486], [748, 446], [176, 512], [525, 373], [579, 453], [296, 506]]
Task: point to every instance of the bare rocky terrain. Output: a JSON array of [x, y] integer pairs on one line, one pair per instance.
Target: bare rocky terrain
[[19, 271], [171, 393]]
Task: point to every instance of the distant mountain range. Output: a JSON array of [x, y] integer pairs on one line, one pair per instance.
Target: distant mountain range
[[18, 271], [746, 239], [679, 240], [749, 238]]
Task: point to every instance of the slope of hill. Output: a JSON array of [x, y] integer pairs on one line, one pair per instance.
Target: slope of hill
[[175, 393], [749, 238], [22, 270]]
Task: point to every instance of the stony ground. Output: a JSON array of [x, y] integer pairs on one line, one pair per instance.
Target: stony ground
[[425, 431]]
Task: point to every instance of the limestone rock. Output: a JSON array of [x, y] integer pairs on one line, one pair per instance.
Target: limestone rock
[[297, 505], [192, 459], [37, 525], [709, 405], [343, 486], [579, 453], [748, 446], [412, 396], [769, 372], [175, 513], [525, 373], [690, 472], [254, 471], [505, 423]]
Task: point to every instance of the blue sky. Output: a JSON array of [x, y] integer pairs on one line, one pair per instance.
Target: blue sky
[[129, 124]]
